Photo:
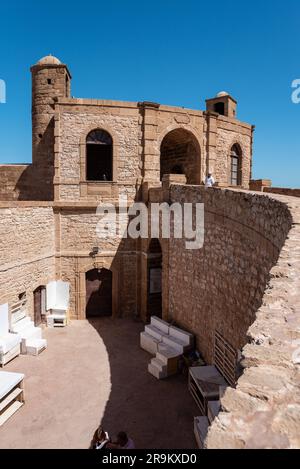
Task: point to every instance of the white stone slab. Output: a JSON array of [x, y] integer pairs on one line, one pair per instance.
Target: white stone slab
[[160, 324], [157, 333], [8, 381], [181, 335], [175, 344], [165, 353], [36, 346], [148, 343], [8, 342], [4, 326], [159, 365], [153, 370]]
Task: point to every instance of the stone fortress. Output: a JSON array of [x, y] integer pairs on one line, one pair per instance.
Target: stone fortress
[[243, 283]]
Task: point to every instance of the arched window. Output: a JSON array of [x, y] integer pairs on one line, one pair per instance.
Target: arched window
[[235, 166], [99, 152]]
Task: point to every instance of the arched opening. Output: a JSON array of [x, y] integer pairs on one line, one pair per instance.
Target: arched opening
[[99, 153], [39, 305], [154, 269], [235, 165], [98, 293], [180, 154], [219, 108]]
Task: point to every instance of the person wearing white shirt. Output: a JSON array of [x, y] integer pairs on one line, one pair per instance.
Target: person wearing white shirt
[[209, 180]]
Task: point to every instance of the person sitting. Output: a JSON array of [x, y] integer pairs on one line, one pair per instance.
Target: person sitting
[[100, 439], [124, 442]]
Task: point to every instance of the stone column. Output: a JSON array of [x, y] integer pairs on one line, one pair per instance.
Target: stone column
[[211, 141]]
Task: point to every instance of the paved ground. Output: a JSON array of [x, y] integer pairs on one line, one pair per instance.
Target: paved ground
[[95, 372]]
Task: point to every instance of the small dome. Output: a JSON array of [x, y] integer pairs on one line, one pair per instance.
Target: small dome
[[49, 60], [222, 93]]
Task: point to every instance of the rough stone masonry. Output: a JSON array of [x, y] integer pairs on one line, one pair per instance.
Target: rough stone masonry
[[244, 282]]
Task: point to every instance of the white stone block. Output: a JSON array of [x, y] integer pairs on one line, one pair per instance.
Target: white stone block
[[148, 343], [175, 344], [153, 331], [166, 353], [160, 324], [159, 365], [153, 370], [181, 335], [36, 346]]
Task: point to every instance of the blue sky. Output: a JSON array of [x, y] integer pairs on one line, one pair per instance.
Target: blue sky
[[168, 51]]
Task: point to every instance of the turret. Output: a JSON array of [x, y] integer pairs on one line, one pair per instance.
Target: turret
[[223, 104], [50, 79]]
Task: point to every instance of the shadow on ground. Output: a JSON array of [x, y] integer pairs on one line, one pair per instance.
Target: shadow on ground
[[156, 414]]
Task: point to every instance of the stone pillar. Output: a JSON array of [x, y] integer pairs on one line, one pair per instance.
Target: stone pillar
[[150, 152], [211, 141]]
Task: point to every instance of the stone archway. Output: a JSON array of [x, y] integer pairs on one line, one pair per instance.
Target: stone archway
[[98, 293], [86, 265], [180, 154]]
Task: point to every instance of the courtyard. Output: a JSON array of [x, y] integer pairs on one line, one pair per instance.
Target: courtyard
[[95, 372]]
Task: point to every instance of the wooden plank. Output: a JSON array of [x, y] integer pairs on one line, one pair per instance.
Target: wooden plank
[[10, 397], [10, 411]]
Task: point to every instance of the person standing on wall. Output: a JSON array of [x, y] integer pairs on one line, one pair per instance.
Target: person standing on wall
[[209, 180]]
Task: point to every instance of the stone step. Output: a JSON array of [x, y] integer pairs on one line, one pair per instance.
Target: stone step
[[153, 331], [153, 370], [148, 343], [160, 324], [181, 335], [201, 425], [176, 344], [159, 364]]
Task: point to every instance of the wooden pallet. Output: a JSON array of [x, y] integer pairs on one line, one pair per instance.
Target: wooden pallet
[[225, 358]]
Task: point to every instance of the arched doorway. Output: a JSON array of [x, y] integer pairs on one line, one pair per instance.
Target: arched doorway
[[180, 154], [98, 293], [154, 270], [39, 304]]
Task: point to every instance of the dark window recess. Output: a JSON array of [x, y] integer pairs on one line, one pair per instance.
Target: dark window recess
[[40, 135], [220, 108], [235, 166], [177, 169], [49, 81], [99, 151]]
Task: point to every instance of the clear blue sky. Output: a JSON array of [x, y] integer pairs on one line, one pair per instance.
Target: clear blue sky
[[170, 51]]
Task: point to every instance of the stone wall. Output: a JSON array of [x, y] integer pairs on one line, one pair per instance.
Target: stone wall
[[282, 191], [220, 286], [76, 237], [264, 410], [245, 283], [27, 250], [16, 182], [229, 134]]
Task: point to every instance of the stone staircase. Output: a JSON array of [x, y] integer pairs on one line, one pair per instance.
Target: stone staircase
[[167, 343]]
